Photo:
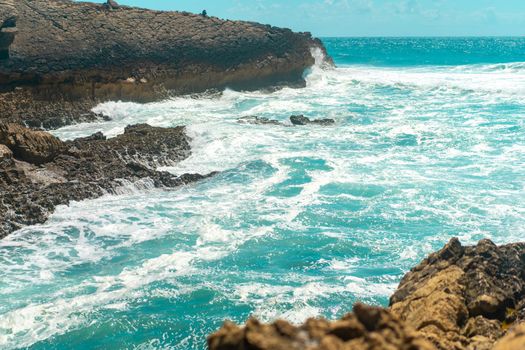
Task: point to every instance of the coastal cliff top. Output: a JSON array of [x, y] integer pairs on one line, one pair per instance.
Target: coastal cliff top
[[56, 35]]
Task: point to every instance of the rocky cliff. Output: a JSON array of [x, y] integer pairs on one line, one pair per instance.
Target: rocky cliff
[[72, 55], [460, 298]]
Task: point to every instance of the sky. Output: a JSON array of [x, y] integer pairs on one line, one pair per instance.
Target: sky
[[325, 18]]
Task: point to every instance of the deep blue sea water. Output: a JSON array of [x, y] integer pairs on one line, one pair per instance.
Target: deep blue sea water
[[429, 143]]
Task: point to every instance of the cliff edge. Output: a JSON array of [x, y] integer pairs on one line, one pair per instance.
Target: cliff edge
[[74, 55]]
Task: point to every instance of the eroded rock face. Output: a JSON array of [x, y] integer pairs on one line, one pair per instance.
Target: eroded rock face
[[87, 53], [459, 298], [459, 291], [81, 169]]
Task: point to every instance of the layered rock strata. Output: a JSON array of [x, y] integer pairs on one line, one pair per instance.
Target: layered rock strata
[[39, 172], [460, 298], [72, 55]]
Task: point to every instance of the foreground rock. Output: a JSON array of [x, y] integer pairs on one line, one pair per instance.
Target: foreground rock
[[460, 298], [39, 172], [86, 53]]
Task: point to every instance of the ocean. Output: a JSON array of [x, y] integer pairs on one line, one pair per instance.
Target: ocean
[[428, 144]]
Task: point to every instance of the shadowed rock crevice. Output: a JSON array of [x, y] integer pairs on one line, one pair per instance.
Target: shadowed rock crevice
[[8, 29]]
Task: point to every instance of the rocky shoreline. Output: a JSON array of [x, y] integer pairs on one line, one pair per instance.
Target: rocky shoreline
[[86, 53], [39, 172], [459, 298], [60, 58]]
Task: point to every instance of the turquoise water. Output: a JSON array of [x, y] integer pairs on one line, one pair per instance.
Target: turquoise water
[[429, 143]]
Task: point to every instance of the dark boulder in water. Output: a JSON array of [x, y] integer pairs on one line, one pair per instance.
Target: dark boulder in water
[[302, 120], [296, 120], [253, 119]]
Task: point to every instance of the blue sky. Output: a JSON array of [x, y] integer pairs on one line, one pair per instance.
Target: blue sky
[[367, 17]]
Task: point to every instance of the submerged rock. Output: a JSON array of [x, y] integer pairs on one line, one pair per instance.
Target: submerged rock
[[253, 119], [42, 172], [296, 120], [459, 298]]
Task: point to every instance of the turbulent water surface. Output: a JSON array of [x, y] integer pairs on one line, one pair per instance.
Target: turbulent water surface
[[429, 143]]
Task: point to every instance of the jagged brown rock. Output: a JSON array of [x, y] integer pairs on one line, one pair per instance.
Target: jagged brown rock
[[74, 54], [81, 169], [32, 146], [367, 328], [459, 298], [460, 289]]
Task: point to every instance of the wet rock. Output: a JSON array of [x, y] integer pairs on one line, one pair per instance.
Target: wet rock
[[253, 119], [22, 107], [296, 120], [84, 168], [302, 120]]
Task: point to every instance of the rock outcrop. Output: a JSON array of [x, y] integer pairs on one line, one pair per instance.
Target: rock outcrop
[[295, 120], [39, 172], [36, 147], [73, 55], [464, 297], [302, 120], [367, 328], [460, 298]]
